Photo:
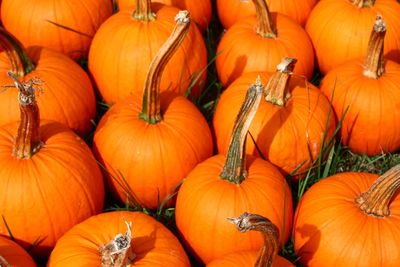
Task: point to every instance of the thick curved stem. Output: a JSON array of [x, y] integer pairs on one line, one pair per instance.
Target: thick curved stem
[[143, 11], [234, 169], [253, 222], [151, 111], [376, 200], [276, 91], [363, 3], [374, 65], [265, 26]]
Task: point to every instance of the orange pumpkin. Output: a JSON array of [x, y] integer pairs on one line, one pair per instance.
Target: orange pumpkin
[[67, 94], [147, 243], [150, 146], [291, 125], [67, 26], [11, 254], [226, 185], [125, 45], [232, 11], [366, 93], [49, 180], [350, 219], [339, 30], [200, 11], [259, 43]]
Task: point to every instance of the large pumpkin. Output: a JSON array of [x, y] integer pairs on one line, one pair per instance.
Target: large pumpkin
[[67, 95], [97, 240], [259, 42], [149, 146], [226, 185], [350, 219], [11, 254], [365, 92], [200, 11], [67, 26], [292, 124], [127, 42], [49, 180], [339, 29]]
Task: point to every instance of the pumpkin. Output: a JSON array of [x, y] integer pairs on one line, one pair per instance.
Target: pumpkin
[[350, 219], [67, 26], [267, 256], [229, 184], [146, 242], [126, 43], [49, 179], [293, 123], [231, 11], [339, 30], [67, 94], [259, 43], [365, 94], [149, 146], [200, 11], [11, 254]]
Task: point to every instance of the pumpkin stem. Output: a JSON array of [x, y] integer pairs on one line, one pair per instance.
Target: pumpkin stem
[[253, 222], [118, 252], [376, 200], [151, 111], [234, 169], [276, 91], [374, 65], [363, 3], [143, 11], [265, 26], [3, 262], [27, 141], [16, 53]]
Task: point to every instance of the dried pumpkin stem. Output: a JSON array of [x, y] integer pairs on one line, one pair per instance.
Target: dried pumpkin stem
[[16, 53], [3, 262], [27, 141], [143, 11], [253, 222], [118, 252], [363, 3], [376, 200], [276, 91], [374, 65], [265, 26], [234, 169], [151, 111]]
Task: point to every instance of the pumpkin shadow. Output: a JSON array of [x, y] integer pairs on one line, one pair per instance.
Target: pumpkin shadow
[[240, 63], [306, 252], [144, 244]]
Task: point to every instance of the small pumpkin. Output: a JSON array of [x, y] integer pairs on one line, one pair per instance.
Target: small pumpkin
[[229, 184], [49, 179], [67, 26], [259, 42], [350, 219], [11, 254], [365, 92], [125, 45], [266, 257], [149, 142]]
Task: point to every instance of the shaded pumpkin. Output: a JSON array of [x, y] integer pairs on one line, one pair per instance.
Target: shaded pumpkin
[[49, 179], [291, 126], [130, 39], [350, 219], [11, 254], [67, 26], [259, 42], [226, 185]]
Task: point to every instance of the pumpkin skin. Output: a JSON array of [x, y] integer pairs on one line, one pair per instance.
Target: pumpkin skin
[[232, 11], [340, 31], [14, 254], [245, 259], [67, 93], [285, 135], [43, 22], [330, 229], [200, 11], [44, 196], [132, 47], [152, 242]]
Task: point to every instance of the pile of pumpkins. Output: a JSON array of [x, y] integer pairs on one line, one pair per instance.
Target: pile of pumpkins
[[147, 62]]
